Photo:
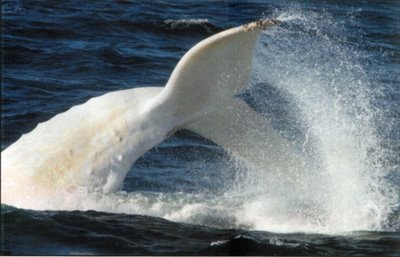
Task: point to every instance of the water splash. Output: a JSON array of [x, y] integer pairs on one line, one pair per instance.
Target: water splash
[[311, 62]]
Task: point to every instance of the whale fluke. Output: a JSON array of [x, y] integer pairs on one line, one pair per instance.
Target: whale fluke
[[214, 70], [92, 146]]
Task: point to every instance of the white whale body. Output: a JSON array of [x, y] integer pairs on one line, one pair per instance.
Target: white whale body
[[93, 145]]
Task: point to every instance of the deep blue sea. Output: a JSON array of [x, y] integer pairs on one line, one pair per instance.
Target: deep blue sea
[[327, 78]]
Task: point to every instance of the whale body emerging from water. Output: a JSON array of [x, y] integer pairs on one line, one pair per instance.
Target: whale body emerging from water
[[93, 145]]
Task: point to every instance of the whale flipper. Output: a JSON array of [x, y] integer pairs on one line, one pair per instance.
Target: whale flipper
[[92, 146]]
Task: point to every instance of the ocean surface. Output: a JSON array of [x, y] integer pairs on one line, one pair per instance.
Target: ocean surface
[[327, 78]]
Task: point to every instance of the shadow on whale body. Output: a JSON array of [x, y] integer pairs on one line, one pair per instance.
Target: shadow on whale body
[[91, 147]]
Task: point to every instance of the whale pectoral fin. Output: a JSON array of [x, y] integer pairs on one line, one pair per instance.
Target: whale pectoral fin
[[247, 135], [214, 70]]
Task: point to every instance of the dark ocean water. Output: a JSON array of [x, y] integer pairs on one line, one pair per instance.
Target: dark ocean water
[[327, 78]]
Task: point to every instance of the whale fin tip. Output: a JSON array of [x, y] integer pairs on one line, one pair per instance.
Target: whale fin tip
[[260, 24]]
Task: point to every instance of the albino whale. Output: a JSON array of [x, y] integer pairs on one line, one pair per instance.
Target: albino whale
[[93, 145]]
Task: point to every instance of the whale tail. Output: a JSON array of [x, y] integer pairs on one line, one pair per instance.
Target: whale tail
[[202, 88], [92, 145]]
